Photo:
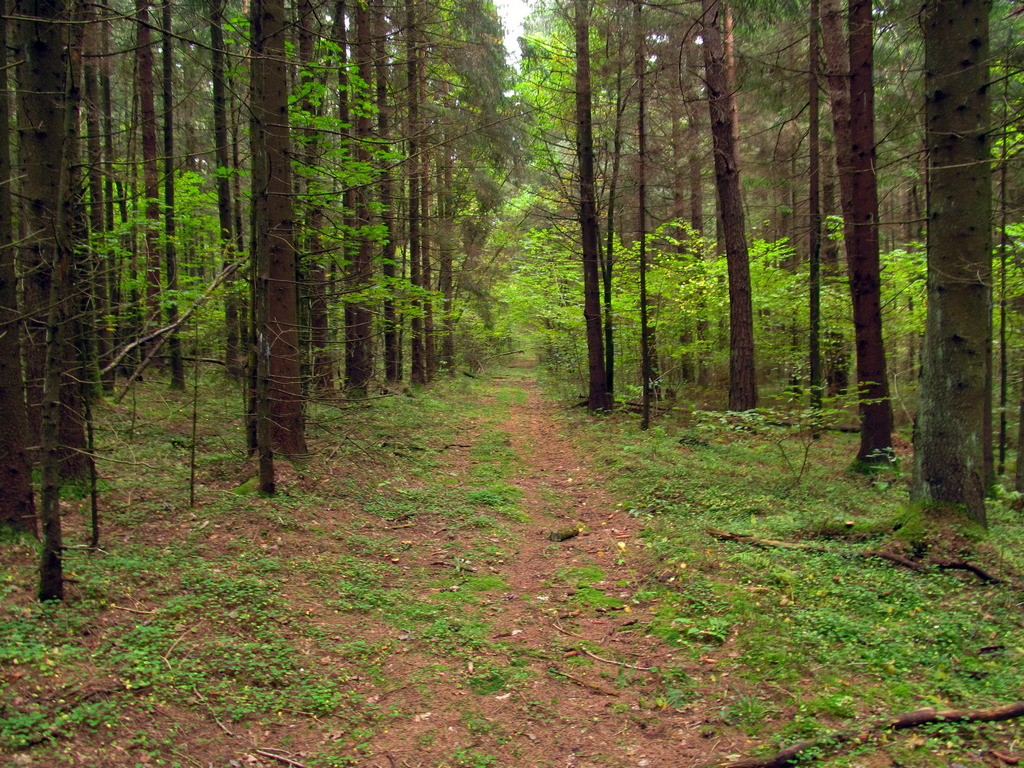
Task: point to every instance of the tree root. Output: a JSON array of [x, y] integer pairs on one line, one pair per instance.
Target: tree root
[[893, 557], [913, 719]]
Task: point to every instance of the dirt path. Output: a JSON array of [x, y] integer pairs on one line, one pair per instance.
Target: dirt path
[[567, 675]]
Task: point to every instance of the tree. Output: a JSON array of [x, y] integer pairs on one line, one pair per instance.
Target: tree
[[43, 144], [170, 214], [17, 503], [721, 104], [639, 69], [232, 301], [360, 329], [949, 466], [598, 399], [814, 209], [850, 77], [279, 392]]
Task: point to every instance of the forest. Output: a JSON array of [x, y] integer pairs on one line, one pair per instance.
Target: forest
[[378, 390]]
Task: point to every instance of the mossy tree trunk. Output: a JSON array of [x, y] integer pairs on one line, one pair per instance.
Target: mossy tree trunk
[[949, 448]]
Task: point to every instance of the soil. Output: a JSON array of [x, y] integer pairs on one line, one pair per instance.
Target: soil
[[566, 676], [566, 715]]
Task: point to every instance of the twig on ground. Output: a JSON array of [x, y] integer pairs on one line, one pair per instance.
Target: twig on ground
[[599, 687], [616, 663], [283, 759], [133, 610], [212, 713], [565, 631]]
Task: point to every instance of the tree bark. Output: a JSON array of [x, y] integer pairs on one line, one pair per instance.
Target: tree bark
[[170, 224], [17, 503], [814, 210], [949, 452], [639, 67], [151, 185], [391, 323], [315, 259], [721, 104], [277, 333], [414, 172], [598, 399], [852, 99], [233, 323], [360, 329]]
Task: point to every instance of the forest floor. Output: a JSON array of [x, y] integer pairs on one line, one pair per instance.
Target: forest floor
[[458, 580]]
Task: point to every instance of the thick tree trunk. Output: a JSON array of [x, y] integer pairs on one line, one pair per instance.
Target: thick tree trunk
[[598, 399], [949, 447], [17, 504], [721, 103], [277, 335], [43, 145]]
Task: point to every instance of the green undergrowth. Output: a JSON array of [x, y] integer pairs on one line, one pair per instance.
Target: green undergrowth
[[315, 620], [245, 610], [820, 637]]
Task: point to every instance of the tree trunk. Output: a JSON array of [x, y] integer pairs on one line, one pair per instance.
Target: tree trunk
[[170, 246], [277, 335], [360, 329], [98, 280], [233, 356], [17, 504], [852, 99], [414, 170], [391, 323], [315, 258], [721, 103], [598, 399], [814, 211], [639, 67], [949, 447], [151, 190], [608, 259], [43, 145]]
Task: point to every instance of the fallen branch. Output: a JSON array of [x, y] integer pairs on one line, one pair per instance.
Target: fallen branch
[[913, 719], [161, 334], [616, 663], [283, 759], [565, 534], [606, 690]]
